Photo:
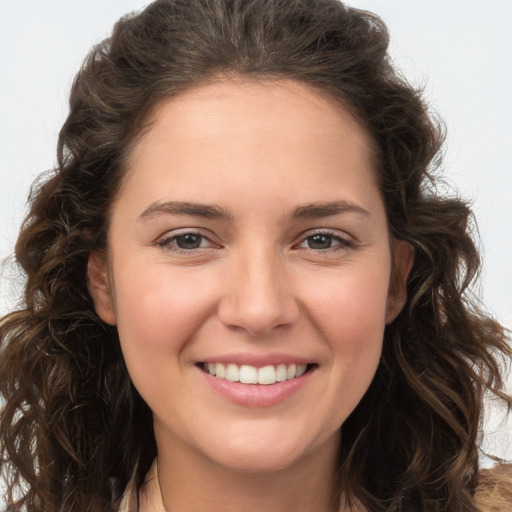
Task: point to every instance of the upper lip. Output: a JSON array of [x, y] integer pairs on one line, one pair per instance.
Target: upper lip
[[257, 360]]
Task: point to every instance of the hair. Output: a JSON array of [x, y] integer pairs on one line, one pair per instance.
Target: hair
[[412, 443]]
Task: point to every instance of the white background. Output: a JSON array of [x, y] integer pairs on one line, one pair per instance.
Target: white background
[[460, 50]]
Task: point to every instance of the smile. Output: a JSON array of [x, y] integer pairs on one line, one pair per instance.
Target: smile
[[247, 374]]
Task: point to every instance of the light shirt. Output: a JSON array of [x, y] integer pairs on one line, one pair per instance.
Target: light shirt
[[149, 498], [493, 494]]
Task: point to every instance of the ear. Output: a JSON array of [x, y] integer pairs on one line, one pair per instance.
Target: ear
[[403, 259], [100, 288]]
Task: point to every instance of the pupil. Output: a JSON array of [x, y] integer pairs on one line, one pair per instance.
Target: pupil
[[320, 242], [188, 241]]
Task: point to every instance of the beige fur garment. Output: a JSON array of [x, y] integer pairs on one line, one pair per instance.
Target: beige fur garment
[[494, 491]]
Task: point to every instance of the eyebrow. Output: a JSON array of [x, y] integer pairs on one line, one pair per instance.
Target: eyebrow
[[186, 208], [319, 210], [207, 211]]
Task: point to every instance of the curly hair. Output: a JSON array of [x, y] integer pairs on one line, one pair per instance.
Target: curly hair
[[412, 443]]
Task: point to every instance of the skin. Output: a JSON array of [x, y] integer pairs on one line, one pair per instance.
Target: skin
[[256, 285]]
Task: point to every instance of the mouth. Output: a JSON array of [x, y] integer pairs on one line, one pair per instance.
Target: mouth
[[247, 374]]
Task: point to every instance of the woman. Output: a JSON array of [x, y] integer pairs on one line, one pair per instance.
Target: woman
[[242, 290]]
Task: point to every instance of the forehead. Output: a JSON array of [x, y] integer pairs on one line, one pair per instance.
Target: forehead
[[238, 135], [237, 108]]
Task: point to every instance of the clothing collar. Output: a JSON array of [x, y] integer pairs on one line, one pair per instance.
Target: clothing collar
[[148, 497]]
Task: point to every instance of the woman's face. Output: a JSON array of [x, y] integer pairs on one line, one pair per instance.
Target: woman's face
[[249, 240]]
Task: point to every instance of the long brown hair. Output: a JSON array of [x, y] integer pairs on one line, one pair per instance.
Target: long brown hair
[[74, 428]]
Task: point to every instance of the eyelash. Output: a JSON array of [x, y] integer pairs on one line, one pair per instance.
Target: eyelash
[[170, 242], [341, 243]]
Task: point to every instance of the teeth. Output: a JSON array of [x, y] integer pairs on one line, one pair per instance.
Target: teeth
[[281, 373], [220, 371], [301, 370], [232, 373], [267, 375], [247, 374]]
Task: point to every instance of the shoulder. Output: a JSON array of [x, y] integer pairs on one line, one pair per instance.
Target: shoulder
[[494, 490]]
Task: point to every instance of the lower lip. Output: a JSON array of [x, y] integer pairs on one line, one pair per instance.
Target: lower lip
[[257, 395]]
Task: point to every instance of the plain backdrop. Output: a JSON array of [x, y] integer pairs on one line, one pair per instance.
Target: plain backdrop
[[459, 50]]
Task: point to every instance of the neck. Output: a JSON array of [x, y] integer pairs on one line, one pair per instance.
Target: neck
[[191, 483]]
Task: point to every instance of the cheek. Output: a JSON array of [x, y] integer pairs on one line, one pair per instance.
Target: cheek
[[159, 311], [158, 314], [349, 307], [350, 314]]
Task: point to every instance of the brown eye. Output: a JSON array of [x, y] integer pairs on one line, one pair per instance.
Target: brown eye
[[325, 241], [186, 241], [319, 241], [189, 241]]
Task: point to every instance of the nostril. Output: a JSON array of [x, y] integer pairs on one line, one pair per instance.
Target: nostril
[[258, 309]]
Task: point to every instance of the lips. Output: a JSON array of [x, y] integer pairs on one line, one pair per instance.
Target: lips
[[256, 394], [248, 374]]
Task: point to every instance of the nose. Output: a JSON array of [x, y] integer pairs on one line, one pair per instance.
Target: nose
[[259, 296]]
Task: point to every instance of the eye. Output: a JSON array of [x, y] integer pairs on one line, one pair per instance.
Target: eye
[[185, 241], [323, 241], [189, 241], [319, 241]]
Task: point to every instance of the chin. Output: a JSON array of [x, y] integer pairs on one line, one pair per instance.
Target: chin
[[256, 460], [262, 450]]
